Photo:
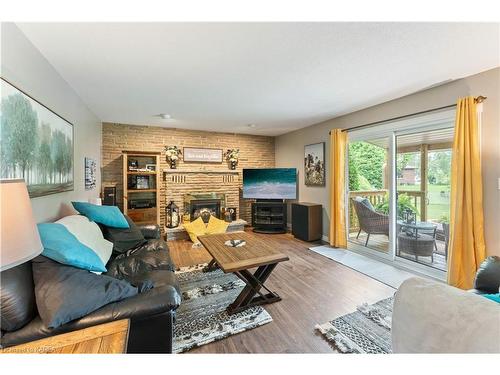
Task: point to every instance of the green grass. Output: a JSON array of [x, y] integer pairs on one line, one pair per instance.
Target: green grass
[[439, 205]]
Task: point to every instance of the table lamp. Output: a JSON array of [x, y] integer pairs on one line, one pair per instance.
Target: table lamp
[[19, 238]]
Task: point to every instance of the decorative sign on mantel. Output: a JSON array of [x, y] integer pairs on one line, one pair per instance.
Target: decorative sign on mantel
[[202, 155]]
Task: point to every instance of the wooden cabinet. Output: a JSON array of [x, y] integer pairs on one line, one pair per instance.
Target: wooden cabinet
[[269, 217], [307, 221], [141, 186]]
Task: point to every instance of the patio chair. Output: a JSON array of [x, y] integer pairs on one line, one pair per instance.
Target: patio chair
[[423, 245], [446, 230], [370, 221]]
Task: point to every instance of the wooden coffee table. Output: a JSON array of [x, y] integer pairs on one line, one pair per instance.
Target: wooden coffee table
[[238, 260]]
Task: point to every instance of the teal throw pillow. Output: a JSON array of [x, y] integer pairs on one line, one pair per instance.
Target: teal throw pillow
[[61, 245], [111, 216], [365, 202], [493, 297]]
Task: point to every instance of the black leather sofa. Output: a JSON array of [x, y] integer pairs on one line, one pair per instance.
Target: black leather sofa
[[151, 312]]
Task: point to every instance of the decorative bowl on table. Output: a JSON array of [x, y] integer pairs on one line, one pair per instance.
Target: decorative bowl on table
[[235, 243]]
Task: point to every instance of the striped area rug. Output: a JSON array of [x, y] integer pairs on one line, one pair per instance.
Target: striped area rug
[[202, 317], [365, 331]]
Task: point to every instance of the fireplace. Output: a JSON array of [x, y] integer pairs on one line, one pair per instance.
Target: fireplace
[[204, 205]]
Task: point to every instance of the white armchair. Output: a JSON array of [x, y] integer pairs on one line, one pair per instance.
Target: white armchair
[[430, 317]]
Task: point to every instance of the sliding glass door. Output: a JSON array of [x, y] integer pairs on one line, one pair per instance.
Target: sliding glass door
[[423, 196], [369, 194], [399, 190]]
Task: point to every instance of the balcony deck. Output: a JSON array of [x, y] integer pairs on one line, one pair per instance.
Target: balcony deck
[[380, 243]]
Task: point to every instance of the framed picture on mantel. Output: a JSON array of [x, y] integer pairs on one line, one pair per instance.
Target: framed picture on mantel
[[202, 155]]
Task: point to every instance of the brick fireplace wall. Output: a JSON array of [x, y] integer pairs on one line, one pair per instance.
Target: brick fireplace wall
[[255, 152]]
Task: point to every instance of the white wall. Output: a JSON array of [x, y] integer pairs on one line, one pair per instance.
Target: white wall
[[24, 66], [290, 147]]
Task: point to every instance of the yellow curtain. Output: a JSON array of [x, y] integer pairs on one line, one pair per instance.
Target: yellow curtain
[[466, 244], [338, 142]]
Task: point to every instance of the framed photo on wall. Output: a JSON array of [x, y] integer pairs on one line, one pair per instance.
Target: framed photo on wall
[[314, 164], [90, 173], [36, 143]]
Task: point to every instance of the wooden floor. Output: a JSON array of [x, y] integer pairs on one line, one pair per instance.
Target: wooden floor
[[314, 290]]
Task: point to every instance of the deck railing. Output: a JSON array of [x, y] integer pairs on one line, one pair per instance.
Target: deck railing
[[418, 201], [379, 196]]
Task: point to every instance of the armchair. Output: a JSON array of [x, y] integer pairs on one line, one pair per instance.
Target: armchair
[[370, 221]]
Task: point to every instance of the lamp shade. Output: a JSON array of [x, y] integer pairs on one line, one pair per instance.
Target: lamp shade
[[19, 238], [96, 201]]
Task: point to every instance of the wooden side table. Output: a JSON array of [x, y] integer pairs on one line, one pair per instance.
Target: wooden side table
[[107, 338]]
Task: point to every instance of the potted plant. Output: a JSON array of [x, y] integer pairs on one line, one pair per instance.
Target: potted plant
[[232, 157], [173, 153], [404, 205]]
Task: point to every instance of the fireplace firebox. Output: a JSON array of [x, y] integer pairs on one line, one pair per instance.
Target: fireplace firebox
[[203, 205]]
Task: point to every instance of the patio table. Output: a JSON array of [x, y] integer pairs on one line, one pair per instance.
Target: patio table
[[424, 227]]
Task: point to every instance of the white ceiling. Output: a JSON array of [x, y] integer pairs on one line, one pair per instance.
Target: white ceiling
[[279, 76]]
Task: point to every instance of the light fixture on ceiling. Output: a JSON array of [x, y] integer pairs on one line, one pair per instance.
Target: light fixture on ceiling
[[163, 116]]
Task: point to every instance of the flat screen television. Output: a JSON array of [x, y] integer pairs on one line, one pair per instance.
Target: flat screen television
[[270, 183]]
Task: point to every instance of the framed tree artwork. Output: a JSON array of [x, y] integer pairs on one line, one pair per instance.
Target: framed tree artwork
[[314, 164], [36, 144]]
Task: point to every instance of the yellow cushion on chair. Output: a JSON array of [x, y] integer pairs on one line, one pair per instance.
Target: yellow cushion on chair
[[216, 226], [195, 229]]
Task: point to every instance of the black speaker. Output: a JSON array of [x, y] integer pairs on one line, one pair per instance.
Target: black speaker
[[109, 196], [307, 223], [141, 203]]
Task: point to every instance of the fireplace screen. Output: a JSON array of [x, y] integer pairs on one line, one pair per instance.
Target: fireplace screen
[[203, 205]]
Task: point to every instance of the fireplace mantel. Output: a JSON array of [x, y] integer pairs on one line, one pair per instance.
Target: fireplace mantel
[[196, 180], [191, 171]]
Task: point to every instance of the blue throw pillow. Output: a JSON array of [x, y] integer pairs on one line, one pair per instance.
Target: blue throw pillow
[[63, 247], [110, 216], [493, 297], [365, 202]]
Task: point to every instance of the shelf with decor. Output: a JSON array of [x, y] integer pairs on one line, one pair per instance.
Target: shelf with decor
[[141, 182], [142, 173], [145, 209]]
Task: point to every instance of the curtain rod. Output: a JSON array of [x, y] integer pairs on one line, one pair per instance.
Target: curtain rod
[[399, 117], [479, 99]]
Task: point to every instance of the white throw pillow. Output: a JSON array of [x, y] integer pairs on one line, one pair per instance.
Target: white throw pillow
[[89, 234]]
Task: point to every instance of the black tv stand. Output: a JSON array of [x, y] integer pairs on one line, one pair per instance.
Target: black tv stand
[[269, 216]]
